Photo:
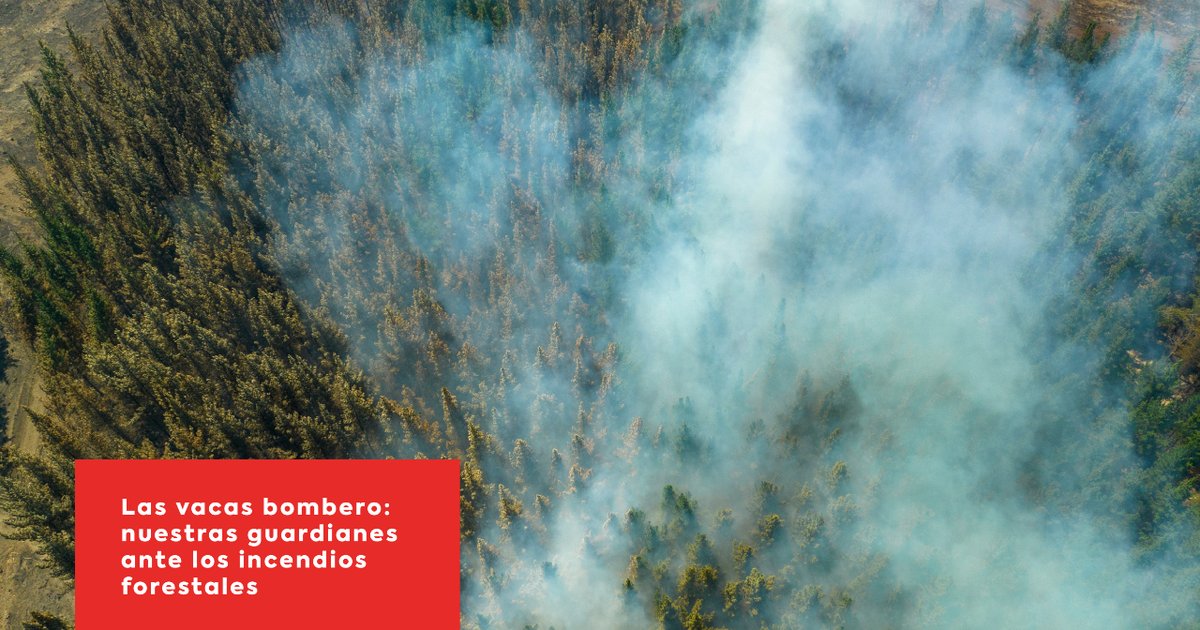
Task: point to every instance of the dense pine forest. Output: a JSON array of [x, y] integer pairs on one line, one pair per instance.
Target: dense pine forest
[[737, 313]]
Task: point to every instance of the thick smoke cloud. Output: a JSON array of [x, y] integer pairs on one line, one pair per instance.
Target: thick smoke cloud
[[825, 251]]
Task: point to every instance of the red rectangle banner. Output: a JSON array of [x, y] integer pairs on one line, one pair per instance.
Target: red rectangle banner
[[267, 544]]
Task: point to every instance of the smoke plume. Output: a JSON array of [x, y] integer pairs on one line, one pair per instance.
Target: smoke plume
[[782, 303]]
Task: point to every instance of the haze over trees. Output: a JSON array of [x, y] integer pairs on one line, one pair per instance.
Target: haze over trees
[[738, 315]]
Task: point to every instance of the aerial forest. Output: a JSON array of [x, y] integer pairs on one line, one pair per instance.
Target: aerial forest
[[738, 314]]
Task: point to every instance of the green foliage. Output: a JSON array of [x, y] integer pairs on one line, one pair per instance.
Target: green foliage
[[46, 621], [159, 321], [38, 493]]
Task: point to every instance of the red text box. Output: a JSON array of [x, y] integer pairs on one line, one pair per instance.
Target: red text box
[[267, 544]]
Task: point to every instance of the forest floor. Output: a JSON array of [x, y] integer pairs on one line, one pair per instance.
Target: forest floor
[[1175, 20], [25, 586]]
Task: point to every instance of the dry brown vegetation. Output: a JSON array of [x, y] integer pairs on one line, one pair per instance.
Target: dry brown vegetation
[[1175, 19]]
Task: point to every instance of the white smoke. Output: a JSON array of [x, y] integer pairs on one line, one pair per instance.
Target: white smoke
[[859, 219]]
